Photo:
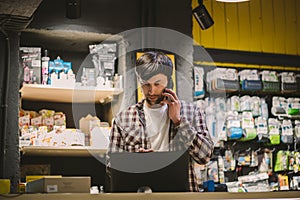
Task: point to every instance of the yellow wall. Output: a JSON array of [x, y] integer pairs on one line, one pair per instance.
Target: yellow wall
[[269, 26]]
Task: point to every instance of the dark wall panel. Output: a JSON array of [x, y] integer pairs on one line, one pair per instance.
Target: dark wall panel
[[115, 16], [103, 16], [174, 15]]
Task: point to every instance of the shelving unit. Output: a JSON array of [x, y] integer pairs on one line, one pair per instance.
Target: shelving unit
[[71, 46], [77, 94], [64, 161], [254, 147]]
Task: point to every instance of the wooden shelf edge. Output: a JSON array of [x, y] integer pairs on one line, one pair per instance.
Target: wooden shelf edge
[[76, 94], [75, 151]]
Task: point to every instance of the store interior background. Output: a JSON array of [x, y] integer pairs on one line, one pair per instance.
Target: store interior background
[[258, 32]]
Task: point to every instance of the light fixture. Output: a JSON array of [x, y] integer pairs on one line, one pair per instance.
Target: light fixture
[[73, 9], [232, 1], [202, 16]]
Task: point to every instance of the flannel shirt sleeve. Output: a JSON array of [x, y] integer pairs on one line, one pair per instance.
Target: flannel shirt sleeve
[[194, 133], [116, 142]]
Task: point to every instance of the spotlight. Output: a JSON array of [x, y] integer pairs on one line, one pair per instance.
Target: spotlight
[[202, 16]]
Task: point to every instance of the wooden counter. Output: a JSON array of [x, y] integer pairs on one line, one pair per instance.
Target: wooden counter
[[154, 196]]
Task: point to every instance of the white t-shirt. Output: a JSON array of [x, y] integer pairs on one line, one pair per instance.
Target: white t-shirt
[[157, 127]]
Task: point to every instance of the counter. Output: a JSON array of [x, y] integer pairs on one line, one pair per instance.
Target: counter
[[154, 196]]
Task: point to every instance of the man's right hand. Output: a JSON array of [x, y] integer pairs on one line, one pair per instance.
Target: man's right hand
[[145, 150]]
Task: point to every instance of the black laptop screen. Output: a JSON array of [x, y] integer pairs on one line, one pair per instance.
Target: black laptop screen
[[160, 171]]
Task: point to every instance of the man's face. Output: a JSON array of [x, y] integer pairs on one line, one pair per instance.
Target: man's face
[[153, 88]]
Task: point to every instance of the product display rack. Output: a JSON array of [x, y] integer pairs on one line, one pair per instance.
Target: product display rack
[[254, 144], [72, 46]]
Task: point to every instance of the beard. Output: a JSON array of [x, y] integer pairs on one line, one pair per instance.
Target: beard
[[158, 100]]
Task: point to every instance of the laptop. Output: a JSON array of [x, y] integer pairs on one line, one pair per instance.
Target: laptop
[[156, 171]]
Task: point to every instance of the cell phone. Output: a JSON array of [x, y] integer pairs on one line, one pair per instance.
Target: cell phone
[[166, 98]]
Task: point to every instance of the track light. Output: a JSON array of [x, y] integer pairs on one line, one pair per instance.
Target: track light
[[73, 9], [202, 16]]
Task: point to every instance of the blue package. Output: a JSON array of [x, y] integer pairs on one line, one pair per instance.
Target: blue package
[[209, 185], [235, 133], [58, 65], [251, 85], [67, 66]]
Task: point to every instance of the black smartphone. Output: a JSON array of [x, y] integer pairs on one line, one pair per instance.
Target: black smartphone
[[166, 97]]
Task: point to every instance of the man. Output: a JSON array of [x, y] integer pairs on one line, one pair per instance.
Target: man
[[161, 122]]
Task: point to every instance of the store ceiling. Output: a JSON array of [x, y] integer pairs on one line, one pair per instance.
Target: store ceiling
[[22, 8], [17, 14]]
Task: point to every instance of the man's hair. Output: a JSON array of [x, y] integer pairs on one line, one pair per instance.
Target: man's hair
[[152, 63]]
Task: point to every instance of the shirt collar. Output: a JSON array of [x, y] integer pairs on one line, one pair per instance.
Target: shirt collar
[[140, 105]]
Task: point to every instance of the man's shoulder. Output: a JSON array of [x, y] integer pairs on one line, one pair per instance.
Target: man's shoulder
[[128, 117], [129, 111]]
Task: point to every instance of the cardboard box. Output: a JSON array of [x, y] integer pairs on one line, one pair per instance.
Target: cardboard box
[[30, 178], [60, 185]]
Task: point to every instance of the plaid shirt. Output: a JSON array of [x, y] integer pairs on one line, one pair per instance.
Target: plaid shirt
[[128, 133]]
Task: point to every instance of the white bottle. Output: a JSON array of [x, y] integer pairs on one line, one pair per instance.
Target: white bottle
[[118, 81], [83, 78], [26, 74], [264, 109]]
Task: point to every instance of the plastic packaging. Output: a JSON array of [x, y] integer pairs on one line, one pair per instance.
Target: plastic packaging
[[264, 109], [94, 190], [45, 68]]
